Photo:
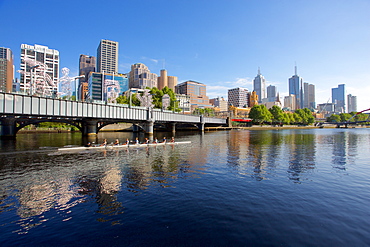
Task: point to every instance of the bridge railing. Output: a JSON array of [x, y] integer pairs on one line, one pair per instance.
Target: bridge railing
[[18, 104]]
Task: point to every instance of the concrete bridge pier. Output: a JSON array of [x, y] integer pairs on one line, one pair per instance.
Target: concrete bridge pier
[[201, 124], [89, 128], [149, 127], [135, 128], [173, 127], [7, 128]]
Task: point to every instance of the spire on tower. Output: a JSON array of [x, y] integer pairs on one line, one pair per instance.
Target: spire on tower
[[295, 68], [259, 71]]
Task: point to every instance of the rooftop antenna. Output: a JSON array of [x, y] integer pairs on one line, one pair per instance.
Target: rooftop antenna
[[259, 71], [295, 68]]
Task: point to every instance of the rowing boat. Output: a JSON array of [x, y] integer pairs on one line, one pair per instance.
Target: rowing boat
[[122, 146]]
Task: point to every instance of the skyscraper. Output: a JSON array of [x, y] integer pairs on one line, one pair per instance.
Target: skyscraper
[[238, 97], [6, 70], [338, 98], [39, 70], [352, 103], [87, 64], [107, 57], [295, 88], [271, 93], [309, 96], [141, 77], [259, 85]]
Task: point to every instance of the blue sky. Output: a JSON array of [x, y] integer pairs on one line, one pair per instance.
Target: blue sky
[[220, 43]]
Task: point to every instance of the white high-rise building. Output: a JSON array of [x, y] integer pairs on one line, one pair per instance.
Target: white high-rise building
[[238, 97], [39, 70], [107, 57], [309, 96], [352, 103], [259, 86]]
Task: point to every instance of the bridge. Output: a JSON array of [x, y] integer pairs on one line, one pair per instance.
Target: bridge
[[18, 111]]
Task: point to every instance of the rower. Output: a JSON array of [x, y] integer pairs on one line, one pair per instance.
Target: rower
[[137, 141], [127, 141], [155, 140], [116, 142], [172, 139], [88, 144], [164, 140], [104, 143], [146, 141]]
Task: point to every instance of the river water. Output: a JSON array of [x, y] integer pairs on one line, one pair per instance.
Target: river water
[[228, 188]]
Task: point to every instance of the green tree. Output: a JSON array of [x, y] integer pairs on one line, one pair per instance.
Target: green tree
[[260, 114], [209, 112], [333, 118], [123, 99], [344, 117], [305, 116], [277, 114], [361, 117]]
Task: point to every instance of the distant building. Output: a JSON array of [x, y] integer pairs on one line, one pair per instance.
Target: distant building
[[184, 102], [107, 57], [309, 96], [295, 88], [238, 97], [327, 109], [166, 81], [105, 87], [197, 93], [253, 99], [87, 64], [259, 86], [141, 77], [290, 102], [42, 64], [6, 70], [352, 103], [271, 93], [220, 102], [338, 98]]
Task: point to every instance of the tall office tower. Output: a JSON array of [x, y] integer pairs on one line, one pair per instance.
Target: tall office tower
[[141, 77], [352, 103], [259, 85], [295, 88], [309, 96], [6, 70], [197, 93], [238, 97], [107, 58], [39, 70], [271, 93], [87, 64], [338, 98]]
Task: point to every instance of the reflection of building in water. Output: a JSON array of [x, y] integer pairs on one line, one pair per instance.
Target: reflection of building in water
[[302, 154], [339, 150]]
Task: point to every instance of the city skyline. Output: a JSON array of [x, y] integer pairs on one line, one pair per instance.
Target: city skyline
[[217, 50]]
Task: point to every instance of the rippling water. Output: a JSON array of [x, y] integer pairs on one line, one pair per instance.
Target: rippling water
[[231, 188]]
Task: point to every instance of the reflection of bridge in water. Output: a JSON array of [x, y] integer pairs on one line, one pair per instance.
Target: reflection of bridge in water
[[18, 111]]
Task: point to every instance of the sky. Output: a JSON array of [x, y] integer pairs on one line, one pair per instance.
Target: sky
[[220, 43]]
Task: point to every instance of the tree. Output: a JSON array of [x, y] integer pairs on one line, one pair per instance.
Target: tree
[[204, 111], [333, 118], [260, 114], [277, 114], [304, 116], [123, 99], [344, 117]]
